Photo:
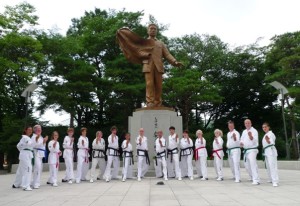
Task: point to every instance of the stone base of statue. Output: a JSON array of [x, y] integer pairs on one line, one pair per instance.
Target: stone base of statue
[[153, 119]]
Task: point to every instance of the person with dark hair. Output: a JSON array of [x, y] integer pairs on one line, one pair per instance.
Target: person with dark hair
[[39, 146], [186, 155], [270, 154], [82, 156], [234, 151], [98, 157], [172, 155], [68, 156], [26, 157], [249, 141], [201, 156], [127, 158], [53, 159], [113, 155]]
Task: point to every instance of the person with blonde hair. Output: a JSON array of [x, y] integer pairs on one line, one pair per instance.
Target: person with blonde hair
[[127, 158], [234, 151], [98, 157], [82, 156], [270, 154], [68, 156], [39, 146], [201, 155], [218, 154], [142, 153], [53, 159]]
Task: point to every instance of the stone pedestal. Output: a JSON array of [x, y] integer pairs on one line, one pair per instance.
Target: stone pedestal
[[152, 119]]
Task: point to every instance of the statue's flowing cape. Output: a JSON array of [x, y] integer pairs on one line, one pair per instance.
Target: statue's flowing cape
[[135, 48]]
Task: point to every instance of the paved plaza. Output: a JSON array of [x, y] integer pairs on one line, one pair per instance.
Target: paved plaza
[[147, 192]]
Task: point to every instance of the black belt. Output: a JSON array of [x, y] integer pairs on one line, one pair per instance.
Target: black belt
[[116, 152], [145, 155], [159, 155], [127, 154], [183, 150], [101, 153], [170, 151]]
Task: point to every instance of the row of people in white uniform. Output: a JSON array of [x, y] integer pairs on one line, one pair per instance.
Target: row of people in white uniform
[[170, 161]]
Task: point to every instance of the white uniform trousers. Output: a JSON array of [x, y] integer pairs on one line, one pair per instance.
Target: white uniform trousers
[[127, 168], [271, 164], [234, 163], [174, 165], [115, 162], [142, 166], [69, 175], [187, 166], [53, 173], [82, 169], [162, 166], [37, 170], [201, 166], [23, 175], [251, 166], [218, 164], [102, 166]]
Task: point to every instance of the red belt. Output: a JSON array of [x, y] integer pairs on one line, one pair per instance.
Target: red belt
[[216, 151], [196, 152]]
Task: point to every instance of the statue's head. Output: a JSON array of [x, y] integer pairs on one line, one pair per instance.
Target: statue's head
[[152, 30]]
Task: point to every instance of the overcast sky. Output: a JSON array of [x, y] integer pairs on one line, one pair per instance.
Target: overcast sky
[[237, 22]]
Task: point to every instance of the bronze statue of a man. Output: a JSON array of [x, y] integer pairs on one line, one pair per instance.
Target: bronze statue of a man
[[149, 52]]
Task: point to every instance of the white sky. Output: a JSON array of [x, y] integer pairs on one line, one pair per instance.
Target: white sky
[[237, 22]]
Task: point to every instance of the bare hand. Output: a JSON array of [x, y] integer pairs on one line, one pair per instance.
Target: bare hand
[[241, 144], [268, 139], [45, 139], [234, 136], [178, 64], [250, 135]]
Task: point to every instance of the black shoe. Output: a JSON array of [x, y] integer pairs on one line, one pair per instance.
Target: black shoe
[[201, 177], [48, 183], [13, 186], [98, 178], [63, 180], [84, 180]]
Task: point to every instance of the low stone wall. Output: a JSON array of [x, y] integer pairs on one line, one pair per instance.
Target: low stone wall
[[284, 165]]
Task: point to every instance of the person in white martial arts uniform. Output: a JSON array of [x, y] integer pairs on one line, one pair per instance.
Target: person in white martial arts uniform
[[270, 154], [39, 148], [26, 157], [98, 157], [218, 153], [142, 153], [113, 155], [186, 155], [160, 149], [68, 156], [201, 155], [53, 159], [172, 155], [82, 156], [127, 158], [249, 141], [234, 151]]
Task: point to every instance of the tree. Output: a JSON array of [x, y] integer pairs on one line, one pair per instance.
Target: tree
[[19, 55], [283, 64]]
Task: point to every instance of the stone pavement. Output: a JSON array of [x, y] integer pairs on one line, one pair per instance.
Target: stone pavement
[[146, 192]]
